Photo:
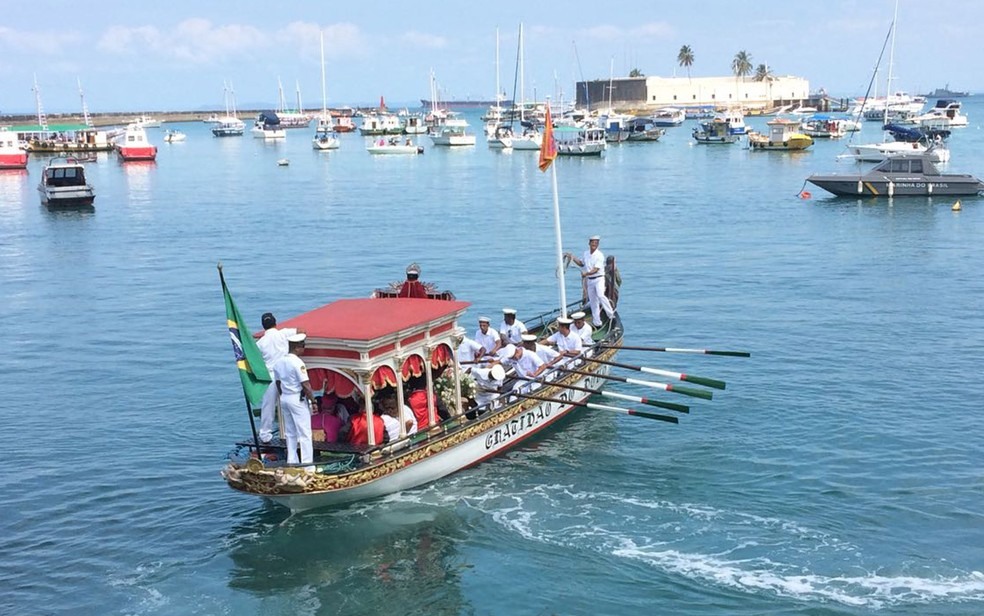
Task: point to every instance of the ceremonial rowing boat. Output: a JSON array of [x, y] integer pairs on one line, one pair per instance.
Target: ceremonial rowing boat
[[360, 346]]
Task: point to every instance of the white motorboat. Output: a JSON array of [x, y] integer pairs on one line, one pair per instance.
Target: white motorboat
[[669, 116], [267, 126], [174, 136], [63, 184], [580, 140], [454, 132], [12, 155], [393, 145], [945, 115]]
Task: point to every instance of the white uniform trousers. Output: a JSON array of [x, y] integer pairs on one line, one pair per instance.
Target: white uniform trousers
[[596, 296], [268, 412], [297, 428]]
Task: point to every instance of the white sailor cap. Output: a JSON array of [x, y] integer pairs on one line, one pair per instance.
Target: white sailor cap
[[563, 321], [484, 320], [458, 332], [529, 338], [577, 316], [413, 268], [301, 337], [509, 350], [511, 311], [594, 238]]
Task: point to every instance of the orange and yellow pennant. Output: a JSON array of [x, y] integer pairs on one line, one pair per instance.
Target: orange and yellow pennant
[[548, 149]]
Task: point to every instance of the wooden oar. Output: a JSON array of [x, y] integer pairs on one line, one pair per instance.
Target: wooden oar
[[700, 380], [682, 408], [696, 393], [602, 407], [670, 350]]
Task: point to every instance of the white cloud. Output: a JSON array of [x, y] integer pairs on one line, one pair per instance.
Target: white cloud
[[420, 39], [49, 43], [655, 29], [341, 39], [196, 41]]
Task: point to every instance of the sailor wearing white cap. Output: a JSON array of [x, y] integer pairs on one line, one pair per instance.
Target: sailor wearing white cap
[[469, 352], [487, 337], [273, 346], [548, 355], [293, 385], [511, 328], [582, 329], [592, 264], [567, 342], [525, 362]]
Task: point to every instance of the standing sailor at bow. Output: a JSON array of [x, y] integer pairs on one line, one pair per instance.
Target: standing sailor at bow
[[295, 397], [592, 264], [273, 345]]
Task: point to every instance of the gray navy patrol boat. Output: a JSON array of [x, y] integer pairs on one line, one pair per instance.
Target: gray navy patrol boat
[[903, 175]]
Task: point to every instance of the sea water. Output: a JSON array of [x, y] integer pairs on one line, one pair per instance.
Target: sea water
[[840, 472]]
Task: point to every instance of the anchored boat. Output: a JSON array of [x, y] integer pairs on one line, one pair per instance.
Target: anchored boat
[[900, 175], [63, 184]]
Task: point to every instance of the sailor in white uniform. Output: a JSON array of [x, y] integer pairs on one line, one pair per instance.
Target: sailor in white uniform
[[582, 329], [511, 328], [548, 355], [273, 346], [487, 337], [294, 387], [592, 264], [568, 343]]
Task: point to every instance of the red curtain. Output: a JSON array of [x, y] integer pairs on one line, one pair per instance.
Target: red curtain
[[413, 366], [441, 356], [383, 377], [331, 382]]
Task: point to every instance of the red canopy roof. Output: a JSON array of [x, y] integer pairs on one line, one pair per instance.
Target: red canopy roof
[[370, 319]]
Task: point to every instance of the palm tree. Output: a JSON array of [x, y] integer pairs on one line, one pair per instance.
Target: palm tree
[[636, 73], [686, 58], [741, 66], [763, 72]]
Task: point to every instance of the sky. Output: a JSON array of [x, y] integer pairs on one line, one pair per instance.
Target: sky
[[174, 55]]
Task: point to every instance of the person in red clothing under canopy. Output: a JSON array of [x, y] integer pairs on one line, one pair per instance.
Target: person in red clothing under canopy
[[359, 431], [413, 287]]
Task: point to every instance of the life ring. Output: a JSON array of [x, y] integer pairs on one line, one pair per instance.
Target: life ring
[[805, 194]]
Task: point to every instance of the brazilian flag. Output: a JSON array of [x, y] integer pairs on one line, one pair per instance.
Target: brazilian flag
[[249, 360]]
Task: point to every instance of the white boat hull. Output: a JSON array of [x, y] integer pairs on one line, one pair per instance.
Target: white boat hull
[[477, 444], [394, 149], [453, 140]]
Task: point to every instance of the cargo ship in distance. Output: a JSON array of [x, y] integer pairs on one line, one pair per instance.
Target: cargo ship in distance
[[946, 92]]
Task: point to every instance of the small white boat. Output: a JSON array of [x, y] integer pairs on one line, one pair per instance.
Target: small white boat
[[146, 121], [174, 136], [946, 114], [580, 140], [500, 137], [669, 116], [454, 132], [63, 184], [714, 132], [393, 145], [267, 126], [133, 145], [283, 162], [877, 152]]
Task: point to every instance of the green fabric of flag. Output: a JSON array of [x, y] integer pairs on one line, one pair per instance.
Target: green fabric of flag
[[249, 359]]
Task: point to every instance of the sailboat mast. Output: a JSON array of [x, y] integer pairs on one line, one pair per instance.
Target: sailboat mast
[[497, 66], [85, 109], [522, 88], [300, 107], [324, 95], [891, 61]]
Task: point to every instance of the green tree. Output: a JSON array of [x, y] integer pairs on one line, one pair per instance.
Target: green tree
[[685, 58], [741, 66], [636, 73], [763, 72]]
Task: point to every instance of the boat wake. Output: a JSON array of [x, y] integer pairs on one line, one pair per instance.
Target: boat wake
[[733, 550]]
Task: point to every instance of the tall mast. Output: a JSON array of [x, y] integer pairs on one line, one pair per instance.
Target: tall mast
[[324, 95], [42, 118], [280, 90], [891, 61], [522, 87], [85, 110], [497, 66], [300, 107]]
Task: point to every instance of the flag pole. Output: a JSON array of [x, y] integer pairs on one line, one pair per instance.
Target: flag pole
[[560, 251], [249, 410], [548, 152]]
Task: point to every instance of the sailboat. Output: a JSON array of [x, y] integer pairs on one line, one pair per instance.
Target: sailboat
[[530, 139], [876, 152], [324, 135], [497, 135], [228, 125], [291, 119]]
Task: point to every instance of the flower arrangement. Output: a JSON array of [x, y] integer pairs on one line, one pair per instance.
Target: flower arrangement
[[444, 388]]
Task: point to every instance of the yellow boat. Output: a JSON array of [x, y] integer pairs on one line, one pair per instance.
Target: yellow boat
[[782, 136]]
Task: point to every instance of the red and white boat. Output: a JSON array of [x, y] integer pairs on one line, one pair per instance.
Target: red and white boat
[[12, 156], [133, 145]]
